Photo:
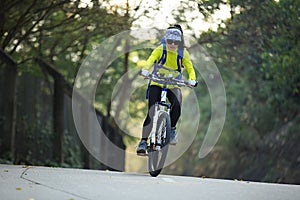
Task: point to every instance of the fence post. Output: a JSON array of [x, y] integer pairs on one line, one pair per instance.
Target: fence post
[[8, 105], [58, 110], [58, 120]]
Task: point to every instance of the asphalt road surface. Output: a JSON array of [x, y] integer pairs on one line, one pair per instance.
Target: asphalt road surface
[[43, 183]]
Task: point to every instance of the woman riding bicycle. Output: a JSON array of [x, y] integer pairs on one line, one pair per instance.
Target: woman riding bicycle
[[172, 56]]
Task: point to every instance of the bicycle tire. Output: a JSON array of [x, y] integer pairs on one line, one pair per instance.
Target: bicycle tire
[[157, 158]]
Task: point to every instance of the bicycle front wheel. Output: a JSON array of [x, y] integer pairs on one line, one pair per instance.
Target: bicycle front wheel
[[157, 158]]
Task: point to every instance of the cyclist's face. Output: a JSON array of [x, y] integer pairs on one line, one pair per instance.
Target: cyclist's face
[[172, 44]]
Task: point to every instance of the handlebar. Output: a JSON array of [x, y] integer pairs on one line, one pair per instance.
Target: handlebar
[[165, 80]]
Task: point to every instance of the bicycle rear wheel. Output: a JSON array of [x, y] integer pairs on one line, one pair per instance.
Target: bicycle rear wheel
[[157, 158]]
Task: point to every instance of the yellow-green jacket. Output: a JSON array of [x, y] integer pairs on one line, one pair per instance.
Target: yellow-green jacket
[[171, 62]]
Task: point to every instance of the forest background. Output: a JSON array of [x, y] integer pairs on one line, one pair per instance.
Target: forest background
[[255, 47]]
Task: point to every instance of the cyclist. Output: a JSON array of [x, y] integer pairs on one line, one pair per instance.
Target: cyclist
[[171, 54]]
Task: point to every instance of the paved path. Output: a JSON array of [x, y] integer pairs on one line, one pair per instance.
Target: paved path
[[43, 183]]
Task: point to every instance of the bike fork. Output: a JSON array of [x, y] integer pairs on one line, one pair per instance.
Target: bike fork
[[153, 131], [155, 140]]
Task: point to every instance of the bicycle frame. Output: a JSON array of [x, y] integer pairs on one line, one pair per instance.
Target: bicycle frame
[[161, 106], [159, 138]]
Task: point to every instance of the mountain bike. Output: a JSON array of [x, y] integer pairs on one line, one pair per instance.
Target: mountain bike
[[160, 134]]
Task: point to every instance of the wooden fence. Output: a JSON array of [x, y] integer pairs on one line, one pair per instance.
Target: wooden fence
[[34, 110]]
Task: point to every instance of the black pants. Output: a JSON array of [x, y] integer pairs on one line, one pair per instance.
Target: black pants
[[175, 98]]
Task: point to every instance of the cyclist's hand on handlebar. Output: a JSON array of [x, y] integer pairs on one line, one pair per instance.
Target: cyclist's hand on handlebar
[[192, 83], [144, 73], [167, 80]]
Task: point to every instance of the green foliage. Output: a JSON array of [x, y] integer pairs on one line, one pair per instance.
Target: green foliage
[[283, 55], [72, 151], [63, 33], [55, 30], [257, 52]]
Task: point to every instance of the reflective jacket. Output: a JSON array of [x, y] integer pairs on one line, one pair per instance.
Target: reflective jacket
[[171, 63]]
